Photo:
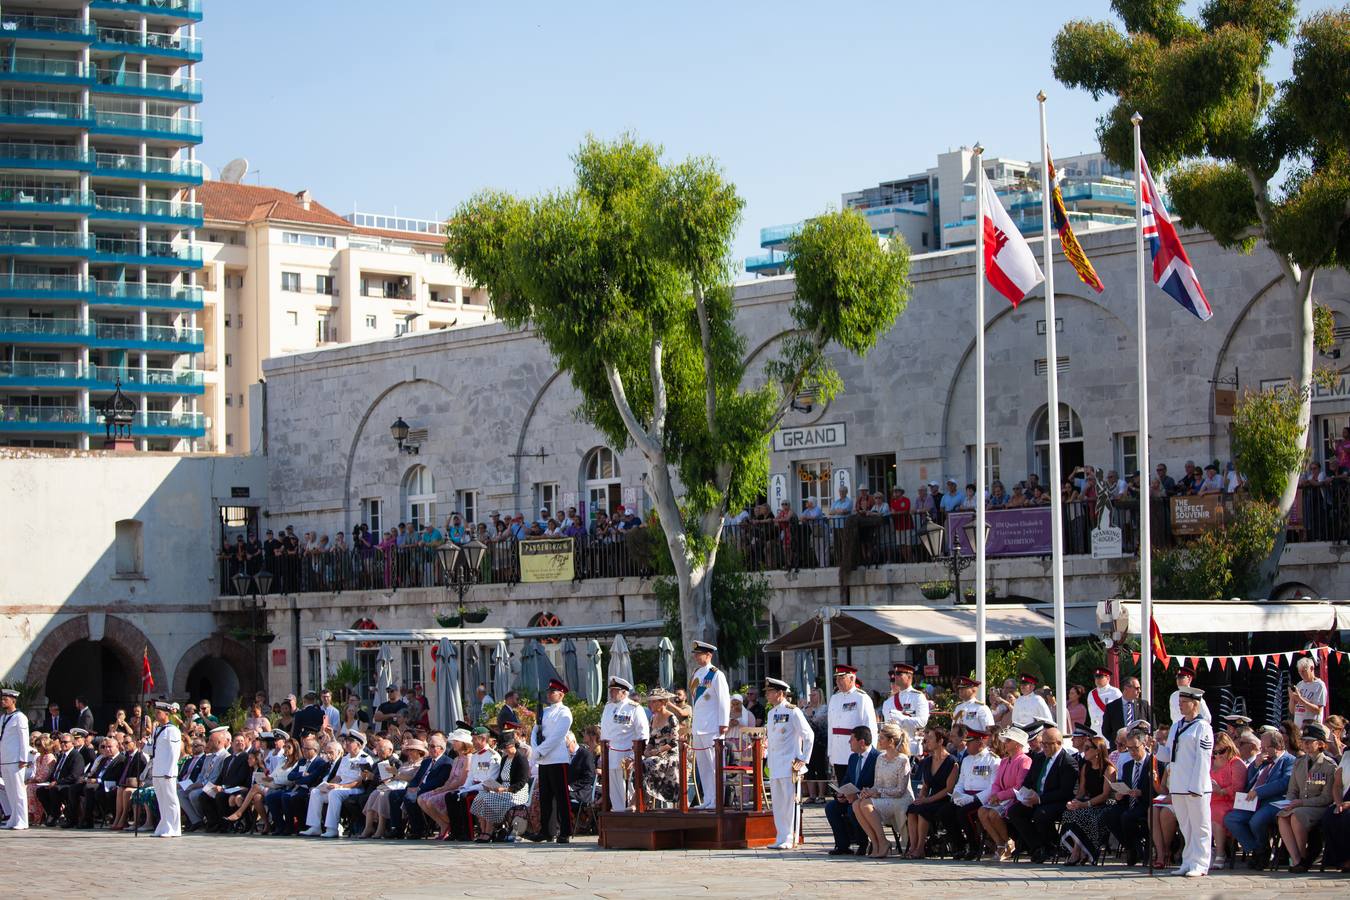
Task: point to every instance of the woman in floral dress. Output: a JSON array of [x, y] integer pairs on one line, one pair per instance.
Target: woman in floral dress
[[661, 762]]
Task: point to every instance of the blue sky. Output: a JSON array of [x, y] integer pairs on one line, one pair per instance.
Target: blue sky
[[415, 105]]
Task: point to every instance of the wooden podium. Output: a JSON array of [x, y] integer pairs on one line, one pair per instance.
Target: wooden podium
[[681, 828]]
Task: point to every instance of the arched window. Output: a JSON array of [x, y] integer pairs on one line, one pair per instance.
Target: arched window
[[1070, 443], [128, 551], [419, 497], [603, 491]]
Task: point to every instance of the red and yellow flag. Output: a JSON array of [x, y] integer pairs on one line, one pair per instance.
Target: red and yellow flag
[[1073, 251], [1159, 648]]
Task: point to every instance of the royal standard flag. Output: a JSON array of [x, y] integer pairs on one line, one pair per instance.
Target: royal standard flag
[[1073, 251]]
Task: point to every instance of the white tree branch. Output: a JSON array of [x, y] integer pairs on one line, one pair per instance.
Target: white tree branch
[[705, 333], [658, 430], [650, 449]]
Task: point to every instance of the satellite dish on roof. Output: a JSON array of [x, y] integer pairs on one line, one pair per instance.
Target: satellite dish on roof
[[234, 171], [207, 174]]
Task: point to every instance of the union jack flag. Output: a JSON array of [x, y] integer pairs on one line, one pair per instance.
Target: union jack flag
[[1172, 269]]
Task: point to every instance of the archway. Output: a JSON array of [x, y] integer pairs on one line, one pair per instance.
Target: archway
[[213, 679], [122, 638], [600, 480], [98, 673], [1070, 442], [217, 668]]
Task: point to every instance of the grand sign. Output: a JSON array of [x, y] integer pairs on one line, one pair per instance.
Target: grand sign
[[809, 437]]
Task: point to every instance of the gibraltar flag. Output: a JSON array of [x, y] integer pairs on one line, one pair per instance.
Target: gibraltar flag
[[1009, 263]]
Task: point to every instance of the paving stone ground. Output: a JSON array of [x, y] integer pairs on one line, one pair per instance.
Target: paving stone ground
[[53, 863]]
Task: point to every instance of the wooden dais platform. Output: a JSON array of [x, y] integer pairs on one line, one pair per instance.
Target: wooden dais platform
[[729, 829]]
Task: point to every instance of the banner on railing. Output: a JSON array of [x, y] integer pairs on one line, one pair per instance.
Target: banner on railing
[[1195, 515], [1024, 531], [547, 560]]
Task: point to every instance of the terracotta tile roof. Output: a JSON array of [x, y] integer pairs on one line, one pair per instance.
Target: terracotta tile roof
[[226, 202], [416, 237]]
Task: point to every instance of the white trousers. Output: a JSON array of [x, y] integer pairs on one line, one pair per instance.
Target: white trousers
[[166, 795], [316, 815], [705, 761], [618, 788], [1192, 811], [16, 794], [783, 796]]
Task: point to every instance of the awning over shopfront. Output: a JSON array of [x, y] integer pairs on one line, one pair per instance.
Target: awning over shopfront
[[1230, 617], [861, 626]]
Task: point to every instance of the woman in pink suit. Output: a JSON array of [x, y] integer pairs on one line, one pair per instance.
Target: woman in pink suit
[[1011, 772], [1229, 774]]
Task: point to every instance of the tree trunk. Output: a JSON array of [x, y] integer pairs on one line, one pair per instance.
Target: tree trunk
[[694, 577]]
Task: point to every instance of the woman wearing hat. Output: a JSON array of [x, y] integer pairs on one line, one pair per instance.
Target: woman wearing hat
[[661, 762], [435, 803], [508, 787], [376, 809], [1309, 795], [1011, 773]]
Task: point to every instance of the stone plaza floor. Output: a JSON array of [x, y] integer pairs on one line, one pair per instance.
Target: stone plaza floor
[[51, 862]]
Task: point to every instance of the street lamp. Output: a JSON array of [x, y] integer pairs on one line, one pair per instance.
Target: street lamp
[[118, 412], [461, 577], [934, 541], [253, 591], [399, 432]]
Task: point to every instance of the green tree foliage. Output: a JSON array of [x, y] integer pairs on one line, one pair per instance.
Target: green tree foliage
[[1221, 563], [626, 277], [739, 601], [1033, 656], [1266, 445], [1211, 115]]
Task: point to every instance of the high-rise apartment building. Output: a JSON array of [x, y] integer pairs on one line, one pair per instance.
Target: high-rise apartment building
[[98, 219], [284, 274]]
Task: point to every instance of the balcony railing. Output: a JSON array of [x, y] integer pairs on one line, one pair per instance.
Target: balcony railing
[[153, 41], [164, 250], [66, 370], [130, 165], [11, 152], [71, 69], [132, 377], [43, 284], [69, 418], [190, 8], [147, 123], [12, 328], [156, 209], [36, 240], [131, 290], [44, 415], [40, 111], [188, 88], [57, 27], [57, 198]]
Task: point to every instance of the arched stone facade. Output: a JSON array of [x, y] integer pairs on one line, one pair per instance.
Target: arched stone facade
[[125, 639], [217, 646]]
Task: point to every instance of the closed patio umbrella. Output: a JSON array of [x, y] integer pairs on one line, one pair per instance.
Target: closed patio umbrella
[[532, 662], [806, 674], [571, 671], [384, 672], [449, 710], [620, 663], [501, 671], [665, 663], [593, 678], [473, 676]]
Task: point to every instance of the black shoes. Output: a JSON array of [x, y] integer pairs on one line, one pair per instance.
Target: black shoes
[[564, 839], [841, 851]]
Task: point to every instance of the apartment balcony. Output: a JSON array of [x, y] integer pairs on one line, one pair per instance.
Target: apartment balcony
[[134, 209], [45, 157], [104, 378], [43, 287], [69, 420], [68, 201], [778, 234], [134, 84], [187, 131], [150, 168], [73, 332], [37, 242], [20, 26], [37, 70], [128, 251], [766, 264], [153, 43], [130, 293], [184, 10], [45, 113]]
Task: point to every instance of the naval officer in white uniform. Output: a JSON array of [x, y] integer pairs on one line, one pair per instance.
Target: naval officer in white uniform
[[711, 699], [622, 722], [14, 759], [1191, 741], [166, 745], [790, 742]]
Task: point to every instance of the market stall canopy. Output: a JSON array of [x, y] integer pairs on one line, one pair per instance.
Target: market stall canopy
[[862, 626], [1229, 616]]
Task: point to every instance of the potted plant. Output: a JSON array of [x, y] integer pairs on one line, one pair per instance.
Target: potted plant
[[474, 616], [970, 593], [936, 590], [448, 621]]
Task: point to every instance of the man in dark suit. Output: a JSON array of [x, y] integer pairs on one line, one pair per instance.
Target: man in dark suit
[[85, 794], [1052, 781], [310, 719], [286, 805], [67, 772], [861, 773], [84, 716], [55, 721], [433, 773], [234, 773], [1126, 819], [1125, 710], [1268, 779]]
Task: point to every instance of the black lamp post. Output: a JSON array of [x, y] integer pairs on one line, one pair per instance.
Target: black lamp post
[[934, 541], [118, 412], [252, 591], [461, 577], [399, 432]]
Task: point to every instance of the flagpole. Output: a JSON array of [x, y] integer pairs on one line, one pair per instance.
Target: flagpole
[[1056, 485], [1145, 472], [979, 427]]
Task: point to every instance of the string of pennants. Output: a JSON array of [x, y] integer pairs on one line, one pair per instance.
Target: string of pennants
[[1250, 660]]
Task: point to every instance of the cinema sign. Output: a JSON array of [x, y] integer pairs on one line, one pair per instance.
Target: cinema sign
[[810, 437]]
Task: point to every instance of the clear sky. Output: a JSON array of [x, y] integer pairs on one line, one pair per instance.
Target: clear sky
[[412, 106]]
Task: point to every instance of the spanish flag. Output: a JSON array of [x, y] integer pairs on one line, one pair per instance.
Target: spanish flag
[[1159, 648], [1073, 251]]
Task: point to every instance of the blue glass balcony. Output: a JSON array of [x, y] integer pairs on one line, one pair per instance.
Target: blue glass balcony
[[161, 296], [154, 43], [45, 199], [149, 85], [44, 28], [777, 234], [43, 113], [128, 251], [177, 9], [187, 131], [773, 263], [43, 287], [152, 168], [69, 420], [36, 70], [49, 157], [39, 242], [73, 332], [134, 209], [74, 375]]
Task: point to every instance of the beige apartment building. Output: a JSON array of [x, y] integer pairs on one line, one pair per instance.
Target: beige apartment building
[[282, 273]]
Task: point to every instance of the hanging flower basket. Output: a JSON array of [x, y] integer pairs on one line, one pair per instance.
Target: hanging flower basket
[[474, 616], [936, 590], [448, 621]]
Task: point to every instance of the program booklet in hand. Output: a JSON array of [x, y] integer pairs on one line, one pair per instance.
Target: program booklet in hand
[[847, 791]]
